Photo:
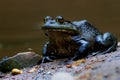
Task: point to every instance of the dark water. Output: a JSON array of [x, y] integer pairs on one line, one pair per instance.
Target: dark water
[[20, 20]]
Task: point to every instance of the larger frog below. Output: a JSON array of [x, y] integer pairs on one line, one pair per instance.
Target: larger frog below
[[75, 39]]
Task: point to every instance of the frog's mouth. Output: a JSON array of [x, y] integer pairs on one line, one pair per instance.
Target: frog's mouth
[[62, 29]]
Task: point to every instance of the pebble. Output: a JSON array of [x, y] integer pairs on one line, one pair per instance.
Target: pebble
[[16, 71]]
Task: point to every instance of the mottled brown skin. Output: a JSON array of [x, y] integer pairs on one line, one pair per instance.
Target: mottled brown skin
[[61, 43]]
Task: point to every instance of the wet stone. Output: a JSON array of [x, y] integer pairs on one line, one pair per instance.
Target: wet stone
[[20, 60]]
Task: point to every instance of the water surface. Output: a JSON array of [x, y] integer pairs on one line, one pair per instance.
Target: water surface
[[20, 20]]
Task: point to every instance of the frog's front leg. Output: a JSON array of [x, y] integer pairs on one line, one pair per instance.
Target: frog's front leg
[[108, 41], [47, 53], [82, 51]]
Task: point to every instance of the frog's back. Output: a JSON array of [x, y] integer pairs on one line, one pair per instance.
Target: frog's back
[[87, 30]]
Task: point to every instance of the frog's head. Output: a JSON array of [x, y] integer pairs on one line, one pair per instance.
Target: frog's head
[[59, 25]]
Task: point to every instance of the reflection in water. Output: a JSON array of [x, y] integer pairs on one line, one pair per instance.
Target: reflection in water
[[20, 20]]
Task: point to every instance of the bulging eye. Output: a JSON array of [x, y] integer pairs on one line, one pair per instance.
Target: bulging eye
[[60, 19], [47, 18]]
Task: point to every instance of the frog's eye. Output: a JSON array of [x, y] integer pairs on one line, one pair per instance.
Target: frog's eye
[[47, 18], [60, 19]]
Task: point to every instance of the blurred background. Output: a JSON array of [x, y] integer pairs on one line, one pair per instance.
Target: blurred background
[[21, 20]]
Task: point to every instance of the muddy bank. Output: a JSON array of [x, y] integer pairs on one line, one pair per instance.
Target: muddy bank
[[100, 67]]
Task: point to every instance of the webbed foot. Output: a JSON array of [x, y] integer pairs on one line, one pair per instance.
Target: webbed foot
[[48, 59]]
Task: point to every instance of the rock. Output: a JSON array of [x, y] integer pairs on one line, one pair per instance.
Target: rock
[[27, 59], [62, 76], [8, 64], [99, 67], [20, 60]]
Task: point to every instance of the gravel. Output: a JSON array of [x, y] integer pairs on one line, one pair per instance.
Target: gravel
[[99, 67]]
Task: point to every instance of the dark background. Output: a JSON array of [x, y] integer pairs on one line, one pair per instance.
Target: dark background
[[20, 20]]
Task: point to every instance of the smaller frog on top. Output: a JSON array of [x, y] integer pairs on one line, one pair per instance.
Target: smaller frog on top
[[74, 40]]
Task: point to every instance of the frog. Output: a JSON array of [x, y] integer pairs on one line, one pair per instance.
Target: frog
[[74, 39]]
